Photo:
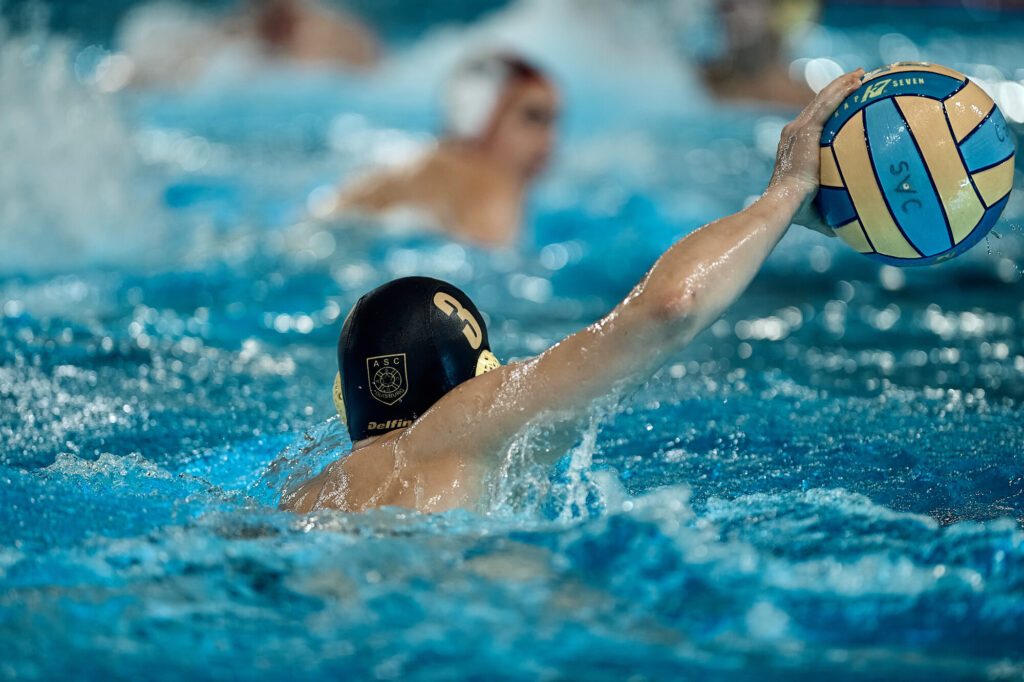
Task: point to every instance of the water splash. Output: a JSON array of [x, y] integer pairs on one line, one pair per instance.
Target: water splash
[[606, 51], [301, 460], [810, 486], [75, 194]]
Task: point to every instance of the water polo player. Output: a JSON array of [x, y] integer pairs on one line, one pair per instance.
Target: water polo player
[[430, 411], [500, 115]]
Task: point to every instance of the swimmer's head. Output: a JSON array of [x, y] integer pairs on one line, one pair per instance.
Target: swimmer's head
[[275, 21], [506, 106], [403, 346]]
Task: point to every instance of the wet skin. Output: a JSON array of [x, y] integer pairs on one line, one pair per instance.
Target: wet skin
[[443, 460]]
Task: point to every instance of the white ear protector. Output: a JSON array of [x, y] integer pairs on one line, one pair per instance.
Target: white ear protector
[[472, 94]]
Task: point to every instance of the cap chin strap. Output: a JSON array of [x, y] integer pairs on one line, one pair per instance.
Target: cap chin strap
[[339, 401], [486, 362]]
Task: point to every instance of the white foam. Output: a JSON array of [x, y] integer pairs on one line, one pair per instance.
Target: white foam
[[607, 52], [72, 191], [107, 466]]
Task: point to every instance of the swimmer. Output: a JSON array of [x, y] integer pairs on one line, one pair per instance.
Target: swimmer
[[754, 68], [166, 43], [501, 113], [305, 31], [431, 411]]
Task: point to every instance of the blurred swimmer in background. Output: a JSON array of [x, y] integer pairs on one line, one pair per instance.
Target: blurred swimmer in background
[[753, 66], [500, 118], [171, 44], [431, 411], [305, 31]]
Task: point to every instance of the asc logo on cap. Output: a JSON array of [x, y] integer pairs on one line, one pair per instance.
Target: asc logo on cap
[[388, 379]]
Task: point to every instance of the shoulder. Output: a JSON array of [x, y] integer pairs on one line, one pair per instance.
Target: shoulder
[[359, 480], [463, 421]]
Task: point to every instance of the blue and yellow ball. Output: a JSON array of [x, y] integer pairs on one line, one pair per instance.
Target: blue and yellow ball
[[916, 165]]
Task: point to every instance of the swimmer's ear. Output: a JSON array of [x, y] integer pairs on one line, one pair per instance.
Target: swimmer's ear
[[486, 362], [339, 401]]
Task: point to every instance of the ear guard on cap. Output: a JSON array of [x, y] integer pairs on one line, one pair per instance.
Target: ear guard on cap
[[472, 94], [485, 363]]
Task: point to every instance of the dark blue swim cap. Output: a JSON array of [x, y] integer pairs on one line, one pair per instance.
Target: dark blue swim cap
[[404, 346]]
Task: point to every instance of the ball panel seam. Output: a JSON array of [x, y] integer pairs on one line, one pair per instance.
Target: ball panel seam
[[961, 207]]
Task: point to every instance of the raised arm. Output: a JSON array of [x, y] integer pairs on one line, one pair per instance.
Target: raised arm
[[686, 290]]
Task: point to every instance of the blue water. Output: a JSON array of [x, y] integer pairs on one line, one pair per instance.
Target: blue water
[[829, 481]]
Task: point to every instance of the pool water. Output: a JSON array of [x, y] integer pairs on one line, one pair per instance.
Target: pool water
[[830, 480]]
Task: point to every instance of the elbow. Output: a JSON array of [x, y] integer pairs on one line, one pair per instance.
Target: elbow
[[673, 316], [676, 307]]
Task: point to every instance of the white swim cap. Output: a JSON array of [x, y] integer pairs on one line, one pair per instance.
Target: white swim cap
[[474, 90]]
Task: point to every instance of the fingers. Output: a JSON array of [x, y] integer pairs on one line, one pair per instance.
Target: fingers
[[829, 99]]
